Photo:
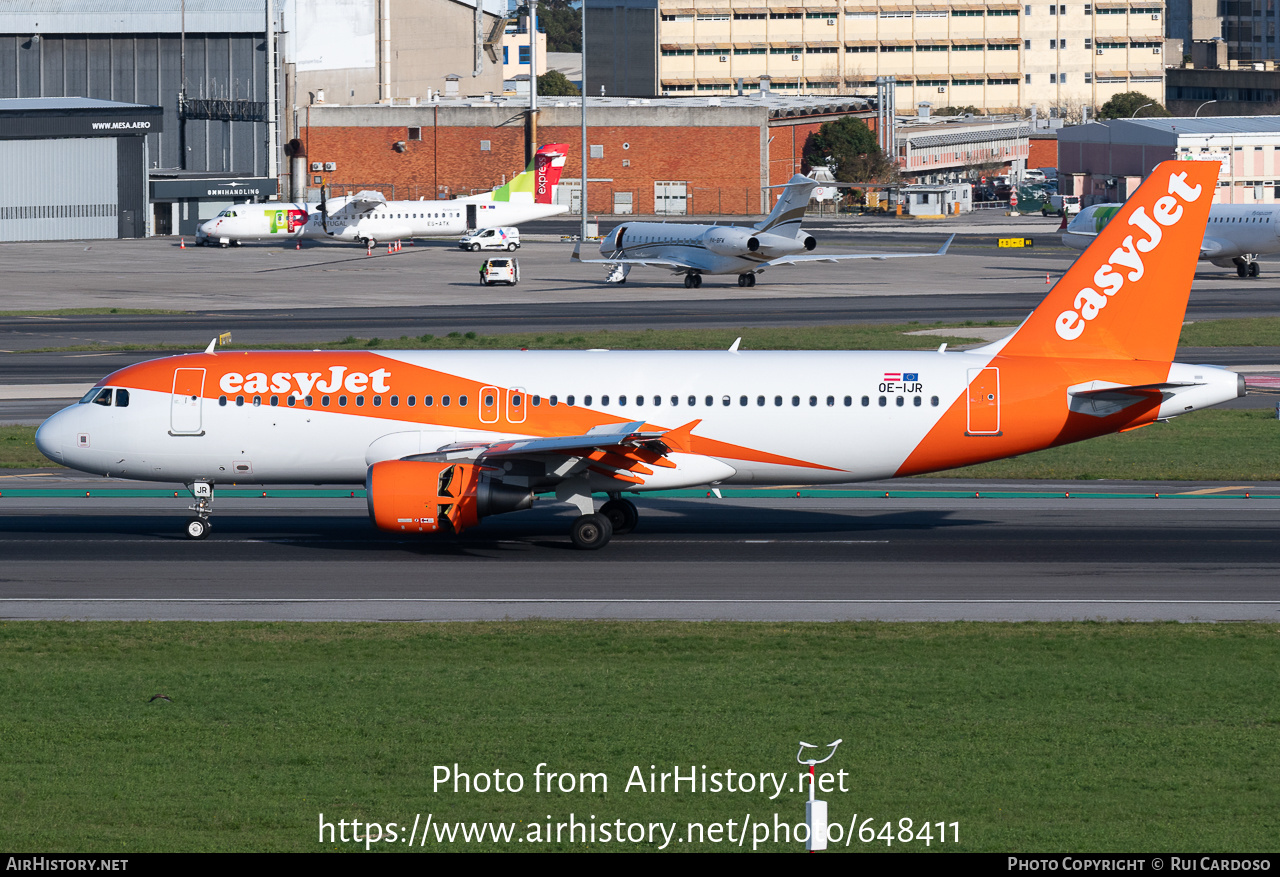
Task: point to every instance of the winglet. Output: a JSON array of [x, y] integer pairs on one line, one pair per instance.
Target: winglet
[[577, 255], [680, 438], [943, 250]]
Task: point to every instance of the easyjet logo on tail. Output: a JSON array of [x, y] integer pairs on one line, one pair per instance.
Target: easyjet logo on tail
[[1126, 260]]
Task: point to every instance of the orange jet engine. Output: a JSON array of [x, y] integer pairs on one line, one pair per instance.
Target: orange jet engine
[[425, 497]]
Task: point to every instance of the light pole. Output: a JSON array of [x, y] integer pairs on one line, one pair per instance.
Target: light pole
[[582, 201], [1201, 107], [1143, 107]]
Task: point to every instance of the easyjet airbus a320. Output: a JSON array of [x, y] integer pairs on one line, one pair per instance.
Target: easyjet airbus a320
[[443, 439]]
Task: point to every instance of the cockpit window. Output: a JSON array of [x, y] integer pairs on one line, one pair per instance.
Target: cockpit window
[[90, 396], [229, 214], [122, 398], [104, 398]]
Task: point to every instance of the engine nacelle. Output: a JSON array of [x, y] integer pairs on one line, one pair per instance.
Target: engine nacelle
[[731, 241], [424, 497], [774, 245]]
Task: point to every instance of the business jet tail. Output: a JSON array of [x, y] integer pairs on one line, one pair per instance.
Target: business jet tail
[[788, 213], [1126, 296]]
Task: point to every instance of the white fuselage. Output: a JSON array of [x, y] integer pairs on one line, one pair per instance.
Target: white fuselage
[[770, 417], [709, 249], [1234, 230], [389, 221]]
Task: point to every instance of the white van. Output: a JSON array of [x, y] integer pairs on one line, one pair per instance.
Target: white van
[[1063, 205], [507, 238]]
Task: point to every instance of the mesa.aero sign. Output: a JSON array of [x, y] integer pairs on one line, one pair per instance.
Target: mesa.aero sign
[[221, 189]]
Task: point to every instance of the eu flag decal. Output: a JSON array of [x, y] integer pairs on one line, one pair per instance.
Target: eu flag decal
[[911, 376]]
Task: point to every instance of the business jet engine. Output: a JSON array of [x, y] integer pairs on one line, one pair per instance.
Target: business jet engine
[[773, 245], [731, 241], [424, 497]]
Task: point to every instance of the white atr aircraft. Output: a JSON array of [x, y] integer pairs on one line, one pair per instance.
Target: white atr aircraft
[[442, 439], [1237, 234], [694, 250], [368, 218]]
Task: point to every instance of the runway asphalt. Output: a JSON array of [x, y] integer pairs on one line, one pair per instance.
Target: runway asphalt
[[1199, 552]]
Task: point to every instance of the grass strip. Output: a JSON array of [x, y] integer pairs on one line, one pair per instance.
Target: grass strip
[[1250, 332], [1211, 445], [1034, 737], [87, 312]]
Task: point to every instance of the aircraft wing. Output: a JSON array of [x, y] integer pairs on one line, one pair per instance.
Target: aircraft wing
[[648, 263], [620, 450], [361, 201], [840, 257]]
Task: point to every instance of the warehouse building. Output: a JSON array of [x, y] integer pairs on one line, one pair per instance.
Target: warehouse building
[[75, 167], [1106, 161]]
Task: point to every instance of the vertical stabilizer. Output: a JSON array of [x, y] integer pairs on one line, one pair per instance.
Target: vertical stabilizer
[[1126, 296], [537, 182], [787, 214]]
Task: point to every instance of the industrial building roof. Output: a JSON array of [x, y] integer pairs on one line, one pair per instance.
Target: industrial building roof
[[9, 104], [1169, 129], [132, 16]]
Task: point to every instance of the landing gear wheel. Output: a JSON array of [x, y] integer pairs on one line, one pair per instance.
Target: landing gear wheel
[[742, 279], [697, 281], [1254, 269], [1242, 270], [688, 281], [197, 528], [622, 515], [751, 280], [590, 532]]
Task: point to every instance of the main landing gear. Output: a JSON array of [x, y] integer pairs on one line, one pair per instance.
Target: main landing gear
[[1247, 265], [622, 515], [198, 527], [692, 281], [746, 280], [593, 529]]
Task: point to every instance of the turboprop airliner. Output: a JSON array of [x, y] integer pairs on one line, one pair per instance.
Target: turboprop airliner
[[367, 217], [1237, 234], [443, 439], [694, 250]]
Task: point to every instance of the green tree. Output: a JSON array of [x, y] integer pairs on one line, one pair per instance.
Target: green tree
[[1125, 104], [849, 146], [555, 84], [562, 23]]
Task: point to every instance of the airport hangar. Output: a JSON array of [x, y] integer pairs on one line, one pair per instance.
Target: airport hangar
[[77, 168], [690, 155]]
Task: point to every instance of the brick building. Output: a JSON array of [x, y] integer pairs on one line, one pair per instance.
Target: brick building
[[685, 155]]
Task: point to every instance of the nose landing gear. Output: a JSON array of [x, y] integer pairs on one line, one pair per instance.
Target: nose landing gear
[[198, 527]]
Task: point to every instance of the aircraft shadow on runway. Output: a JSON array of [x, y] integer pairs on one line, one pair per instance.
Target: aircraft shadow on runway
[[542, 527]]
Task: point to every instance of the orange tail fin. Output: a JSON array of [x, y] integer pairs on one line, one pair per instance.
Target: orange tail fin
[[1126, 296]]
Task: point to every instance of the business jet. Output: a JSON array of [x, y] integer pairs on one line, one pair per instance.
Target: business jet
[[367, 217], [1236, 234], [694, 250], [444, 439]]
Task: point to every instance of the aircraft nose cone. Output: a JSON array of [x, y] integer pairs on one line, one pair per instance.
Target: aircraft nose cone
[[52, 437]]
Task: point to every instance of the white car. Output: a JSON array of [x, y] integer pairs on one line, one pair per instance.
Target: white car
[[506, 238], [1063, 205], [500, 271]]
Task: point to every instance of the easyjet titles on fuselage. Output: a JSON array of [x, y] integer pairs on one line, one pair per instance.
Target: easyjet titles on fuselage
[[284, 382]]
